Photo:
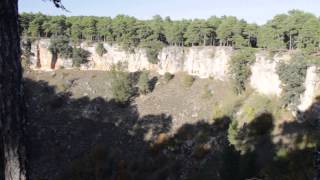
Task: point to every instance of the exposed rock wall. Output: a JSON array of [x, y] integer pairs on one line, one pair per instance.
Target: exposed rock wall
[[41, 58], [312, 85], [203, 62], [264, 76], [199, 61]]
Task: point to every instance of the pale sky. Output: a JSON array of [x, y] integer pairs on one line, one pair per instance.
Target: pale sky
[[258, 11]]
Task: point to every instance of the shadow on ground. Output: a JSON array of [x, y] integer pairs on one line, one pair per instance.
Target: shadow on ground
[[83, 139]]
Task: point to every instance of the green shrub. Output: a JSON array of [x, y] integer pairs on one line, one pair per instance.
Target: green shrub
[[59, 45], [143, 83], [121, 87], [240, 68], [79, 56], [187, 80], [152, 50], [152, 55], [292, 76], [236, 137], [255, 105], [246, 137], [100, 50], [168, 76]]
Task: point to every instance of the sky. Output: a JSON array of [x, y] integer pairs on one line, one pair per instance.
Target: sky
[[253, 11]]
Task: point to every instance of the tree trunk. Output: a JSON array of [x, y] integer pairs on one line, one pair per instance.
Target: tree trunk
[[12, 117], [38, 55], [290, 41]]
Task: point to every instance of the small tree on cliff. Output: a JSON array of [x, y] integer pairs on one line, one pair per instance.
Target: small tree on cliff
[[240, 68], [60, 45], [121, 86], [100, 50], [143, 83], [79, 56], [292, 76]]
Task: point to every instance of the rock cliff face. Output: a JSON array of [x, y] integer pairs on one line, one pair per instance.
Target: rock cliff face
[[312, 85], [42, 58], [264, 76], [199, 61], [203, 62]]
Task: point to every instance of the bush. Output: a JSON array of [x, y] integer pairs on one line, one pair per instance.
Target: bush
[[79, 56], [168, 76], [254, 105], [143, 83], [59, 45], [292, 76], [152, 50], [233, 133], [100, 50], [240, 68], [187, 80], [121, 87], [249, 136]]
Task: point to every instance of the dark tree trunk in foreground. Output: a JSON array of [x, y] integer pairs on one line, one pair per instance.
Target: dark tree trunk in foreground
[[11, 95]]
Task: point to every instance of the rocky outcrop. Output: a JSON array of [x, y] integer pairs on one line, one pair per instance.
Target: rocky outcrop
[[42, 59], [264, 77], [203, 62], [312, 85], [199, 61]]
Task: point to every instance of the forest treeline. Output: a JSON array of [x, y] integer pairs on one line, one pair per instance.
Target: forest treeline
[[295, 29]]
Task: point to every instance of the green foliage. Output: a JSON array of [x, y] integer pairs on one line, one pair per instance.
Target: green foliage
[[198, 32], [79, 56], [245, 137], [143, 83], [296, 29], [121, 86], [100, 50], [59, 45], [168, 76], [233, 133], [292, 76], [152, 49], [240, 68], [187, 80]]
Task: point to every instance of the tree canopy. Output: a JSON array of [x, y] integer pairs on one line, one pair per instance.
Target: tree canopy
[[296, 29]]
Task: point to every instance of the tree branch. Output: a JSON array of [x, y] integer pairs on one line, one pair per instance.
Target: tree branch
[[59, 4]]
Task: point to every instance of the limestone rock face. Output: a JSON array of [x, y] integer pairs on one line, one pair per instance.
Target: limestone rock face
[[199, 61], [132, 61], [312, 84], [171, 60], [203, 62], [264, 77], [42, 58], [208, 62]]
